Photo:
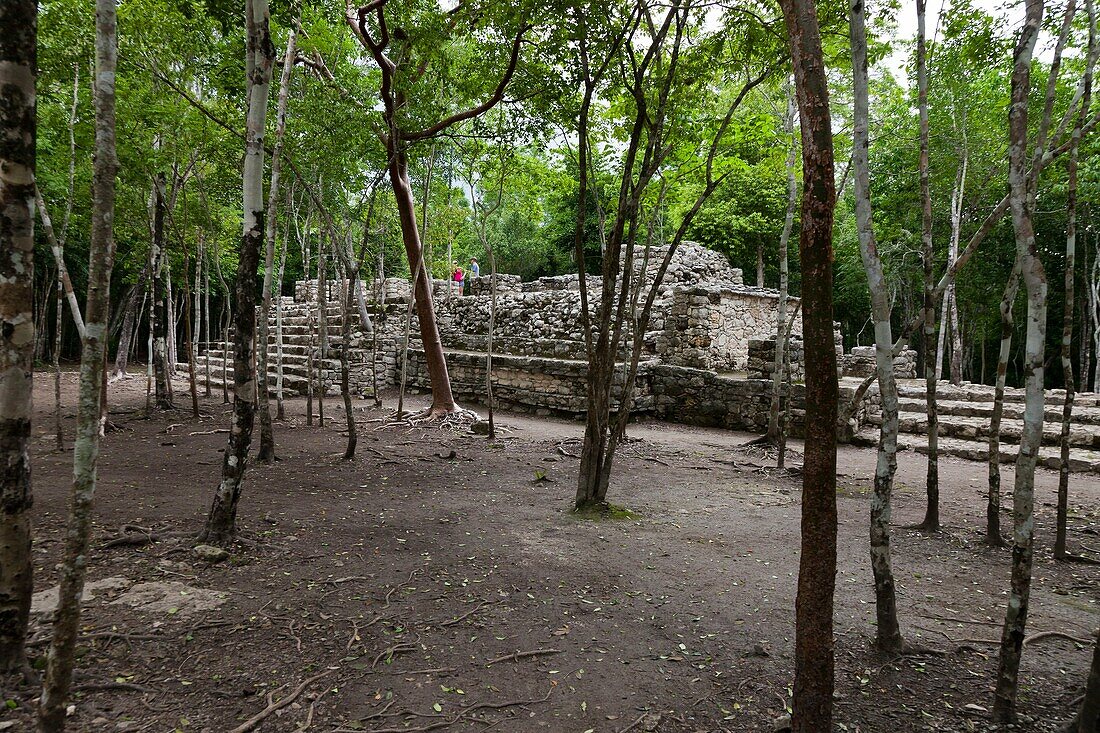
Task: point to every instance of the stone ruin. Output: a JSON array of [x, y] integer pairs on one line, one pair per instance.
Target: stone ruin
[[707, 355]]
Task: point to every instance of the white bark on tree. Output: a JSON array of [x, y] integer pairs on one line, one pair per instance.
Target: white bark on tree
[[18, 133], [782, 335], [221, 523], [1034, 278], [266, 453], [888, 632], [59, 661]]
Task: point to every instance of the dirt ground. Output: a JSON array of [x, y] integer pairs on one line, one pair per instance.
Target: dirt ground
[[409, 591]]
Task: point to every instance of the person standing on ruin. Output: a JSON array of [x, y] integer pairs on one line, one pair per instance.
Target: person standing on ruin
[[458, 275], [475, 271]]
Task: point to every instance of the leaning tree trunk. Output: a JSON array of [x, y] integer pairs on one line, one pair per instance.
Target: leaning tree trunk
[[221, 524], [443, 401], [814, 653], [267, 431], [781, 332], [1034, 277], [993, 502], [931, 521], [888, 631], [59, 661], [18, 48]]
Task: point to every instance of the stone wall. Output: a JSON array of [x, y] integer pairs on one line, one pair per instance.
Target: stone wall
[[711, 328], [860, 362]]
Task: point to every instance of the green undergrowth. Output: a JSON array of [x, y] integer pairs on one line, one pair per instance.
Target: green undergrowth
[[606, 512]]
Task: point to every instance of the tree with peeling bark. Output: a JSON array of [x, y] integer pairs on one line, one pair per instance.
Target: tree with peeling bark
[[18, 134], [931, 521], [221, 523], [888, 632], [66, 623], [404, 57], [1022, 203], [267, 431], [814, 655]]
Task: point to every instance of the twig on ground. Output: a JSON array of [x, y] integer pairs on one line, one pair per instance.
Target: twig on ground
[[208, 432], [462, 714], [391, 651], [516, 656], [436, 670], [259, 717], [635, 724], [464, 616]]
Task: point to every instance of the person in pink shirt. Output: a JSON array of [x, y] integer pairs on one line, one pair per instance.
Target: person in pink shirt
[[458, 276]]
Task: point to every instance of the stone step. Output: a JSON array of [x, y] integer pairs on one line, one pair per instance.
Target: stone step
[[1080, 460], [977, 393], [968, 428], [1084, 413]]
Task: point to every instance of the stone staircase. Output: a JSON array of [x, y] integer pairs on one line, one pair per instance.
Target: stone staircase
[[296, 349], [964, 416]]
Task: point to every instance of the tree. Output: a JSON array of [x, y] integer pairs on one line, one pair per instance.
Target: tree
[[221, 523], [18, 131], [814, 656], [1021, 200], [59, 661], [400, 70], [889, 638]]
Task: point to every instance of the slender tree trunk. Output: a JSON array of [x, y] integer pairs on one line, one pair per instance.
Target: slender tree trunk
[[170, 322], [814, 652], [18, 128], [1060, 552], [760, 265], [206, 307], [1034, 277], [380, 304], [781, 340], [993, 503], [931, 521], [130, 314], [221, 523], [280, 410], [159, 322], [59, 661], [59, 310], [267, 431], [345, 371], [322, 330], [888, 632], [189, 335]]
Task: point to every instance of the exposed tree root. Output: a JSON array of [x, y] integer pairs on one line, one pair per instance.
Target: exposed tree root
[[447, 722], [272, 706]]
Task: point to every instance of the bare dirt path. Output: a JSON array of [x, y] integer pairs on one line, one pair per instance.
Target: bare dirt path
[[437, 593]]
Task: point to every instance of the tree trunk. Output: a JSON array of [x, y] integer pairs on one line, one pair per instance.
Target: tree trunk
[[781, 332], [221, 524], [59, 662], [280, 410], [189, 334], [170, 321], [129, 315], [888, 632], [1067, 312], [345, 372], [322, 330], [931, 521], [993, 504], [814, 652], [18, 127], [159, 323], [267, 431], [1034, 277], [57, 247], [442, 398], [760, 265], [1088, 717]]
